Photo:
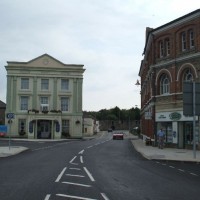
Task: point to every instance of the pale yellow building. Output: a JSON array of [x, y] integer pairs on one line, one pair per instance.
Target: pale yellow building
[[45, 96]]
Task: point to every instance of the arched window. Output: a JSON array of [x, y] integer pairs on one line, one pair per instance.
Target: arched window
[[187, 75], [164, 84]]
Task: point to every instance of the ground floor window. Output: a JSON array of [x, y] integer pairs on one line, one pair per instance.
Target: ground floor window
[[22, 126], [188, 127], [65, 128], [167, 128]]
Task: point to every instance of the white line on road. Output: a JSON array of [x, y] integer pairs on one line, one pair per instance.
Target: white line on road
[[89, 174], [47, 197], [71, 161], [75, 175], [81, 159], [172, 167], [74, 197], [81, 152], [104, 196], [74, 168], [89, 147], [78, 184], [193, 174], [181, 170], [60, 175]]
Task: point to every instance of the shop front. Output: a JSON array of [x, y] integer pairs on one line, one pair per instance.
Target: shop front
[[178, 128]]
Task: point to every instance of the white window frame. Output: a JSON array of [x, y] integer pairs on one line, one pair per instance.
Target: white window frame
[[44, 100], [188, 76], [167, 46], [65, 126], [164, 84], [191, 34], [44, 84], [24, 102], [24, 83], [64, 84], [64, 104], [161, 44], [183, 41]]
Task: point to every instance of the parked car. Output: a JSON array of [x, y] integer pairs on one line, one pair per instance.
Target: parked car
[[109, 130], [118, 136], [2, 134]]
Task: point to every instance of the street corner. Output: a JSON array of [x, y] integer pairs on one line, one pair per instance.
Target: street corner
[[10, 151]]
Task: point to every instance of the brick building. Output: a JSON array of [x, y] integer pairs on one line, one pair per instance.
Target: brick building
[[2, 112], [171, 56]]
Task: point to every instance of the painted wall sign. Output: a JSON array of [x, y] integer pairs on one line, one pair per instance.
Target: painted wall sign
[[175, 116]]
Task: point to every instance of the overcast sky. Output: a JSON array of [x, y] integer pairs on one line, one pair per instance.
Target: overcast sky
[[107, 36]]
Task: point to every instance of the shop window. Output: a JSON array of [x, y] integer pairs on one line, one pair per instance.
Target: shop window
[[22, 126], [65, 128]]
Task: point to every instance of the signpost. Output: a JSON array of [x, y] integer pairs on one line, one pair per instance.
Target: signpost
[[10, 116]]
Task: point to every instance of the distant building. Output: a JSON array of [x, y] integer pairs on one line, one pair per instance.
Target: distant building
[[2, 112], [171, 57], [88, 126], [45, 96]]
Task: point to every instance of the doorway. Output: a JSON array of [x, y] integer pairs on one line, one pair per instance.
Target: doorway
[[44, 129]]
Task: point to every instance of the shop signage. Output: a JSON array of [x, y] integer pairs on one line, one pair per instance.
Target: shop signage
[[175, 116], [162, 117]]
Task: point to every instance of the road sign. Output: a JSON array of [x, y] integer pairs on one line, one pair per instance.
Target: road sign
[[188, 100], [10, 115]]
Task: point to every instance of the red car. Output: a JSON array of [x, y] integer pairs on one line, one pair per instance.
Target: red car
[[118, 136], [2, 134]]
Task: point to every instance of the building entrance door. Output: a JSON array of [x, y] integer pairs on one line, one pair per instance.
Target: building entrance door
[[44, 129]]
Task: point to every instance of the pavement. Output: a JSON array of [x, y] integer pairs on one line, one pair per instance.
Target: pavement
[[167, 154], [149, 152]]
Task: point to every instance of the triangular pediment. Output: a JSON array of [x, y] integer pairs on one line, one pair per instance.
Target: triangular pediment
[[45, 60]]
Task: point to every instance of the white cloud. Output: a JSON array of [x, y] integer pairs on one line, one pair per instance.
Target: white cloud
[[108, 37]]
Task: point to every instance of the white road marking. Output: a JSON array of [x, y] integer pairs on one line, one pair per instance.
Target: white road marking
[[71, 161], [74, 197], [89, 147], [74, 163], [81, 159], [81, 152], [74, 168], [75, 175], [60, 175], [89, 174], [78, 184], [193, 174], [171, 167], [47, 197], [181, 170], [104, 196]]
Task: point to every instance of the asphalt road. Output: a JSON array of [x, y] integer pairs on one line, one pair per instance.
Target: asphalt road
[[101, 168]]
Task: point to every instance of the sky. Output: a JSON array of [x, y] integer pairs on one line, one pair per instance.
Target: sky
[[107, 37]]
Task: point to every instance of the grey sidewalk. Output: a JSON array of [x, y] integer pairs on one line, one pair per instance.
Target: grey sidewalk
[[174, 154], [9, 151]]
